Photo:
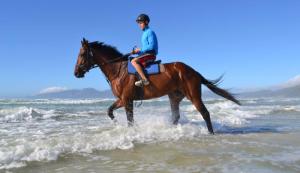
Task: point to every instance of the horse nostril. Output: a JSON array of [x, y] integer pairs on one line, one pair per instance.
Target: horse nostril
[[76, 74]]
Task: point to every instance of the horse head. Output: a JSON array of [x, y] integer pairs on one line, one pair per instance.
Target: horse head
[[85, 59]]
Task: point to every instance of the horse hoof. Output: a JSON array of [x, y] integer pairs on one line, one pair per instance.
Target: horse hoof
[[130, 124], [115, 122], [175, 123]]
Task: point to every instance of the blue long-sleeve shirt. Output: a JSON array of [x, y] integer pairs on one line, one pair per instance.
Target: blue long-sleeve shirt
[[149, 41]]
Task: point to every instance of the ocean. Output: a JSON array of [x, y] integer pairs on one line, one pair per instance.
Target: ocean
[[74, 136]]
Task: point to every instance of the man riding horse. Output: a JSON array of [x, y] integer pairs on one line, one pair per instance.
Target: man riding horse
[[175, 79], [149, 49]]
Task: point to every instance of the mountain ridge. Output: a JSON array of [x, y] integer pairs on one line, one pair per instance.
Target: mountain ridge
[[76, 94], [93, 93]]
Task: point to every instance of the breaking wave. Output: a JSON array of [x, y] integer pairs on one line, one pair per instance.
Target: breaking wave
[[20, 114]]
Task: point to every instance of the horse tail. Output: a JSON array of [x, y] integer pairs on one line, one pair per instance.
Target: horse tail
[[213, 86]]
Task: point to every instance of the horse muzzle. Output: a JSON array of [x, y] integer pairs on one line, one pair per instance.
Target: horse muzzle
[[79, 75]]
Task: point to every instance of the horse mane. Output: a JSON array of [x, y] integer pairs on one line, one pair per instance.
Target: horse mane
[[106, 49]]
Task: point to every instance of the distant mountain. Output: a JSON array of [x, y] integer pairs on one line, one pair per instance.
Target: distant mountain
[[93, 93], [76, 94], [292, 92], [290, 88]]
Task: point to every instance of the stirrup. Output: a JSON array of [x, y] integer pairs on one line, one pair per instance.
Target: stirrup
[[141, 83]]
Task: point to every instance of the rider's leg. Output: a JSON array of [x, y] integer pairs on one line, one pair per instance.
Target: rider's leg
[[138, 68]]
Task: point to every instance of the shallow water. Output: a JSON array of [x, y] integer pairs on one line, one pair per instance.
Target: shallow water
[[77, 136]]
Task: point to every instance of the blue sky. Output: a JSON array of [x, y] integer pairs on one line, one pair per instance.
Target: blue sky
[[255, 43]]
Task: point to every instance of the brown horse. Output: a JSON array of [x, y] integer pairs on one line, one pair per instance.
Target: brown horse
[[177, 80]]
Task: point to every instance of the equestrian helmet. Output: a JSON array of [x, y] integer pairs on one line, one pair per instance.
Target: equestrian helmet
[[143, 18]]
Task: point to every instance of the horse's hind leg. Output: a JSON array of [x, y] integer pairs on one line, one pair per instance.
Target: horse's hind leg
[[175, 99], [193, 93], [198, 103], [205, 114]]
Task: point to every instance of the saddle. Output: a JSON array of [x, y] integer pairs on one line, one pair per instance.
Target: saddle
[[150, 67]]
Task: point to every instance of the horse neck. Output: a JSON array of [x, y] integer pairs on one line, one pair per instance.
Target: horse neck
[[111, 70]]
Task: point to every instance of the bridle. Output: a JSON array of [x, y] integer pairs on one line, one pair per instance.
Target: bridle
[[90, 63]]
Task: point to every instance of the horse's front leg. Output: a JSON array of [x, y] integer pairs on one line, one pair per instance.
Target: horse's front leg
[[117, 104], [129, 112]]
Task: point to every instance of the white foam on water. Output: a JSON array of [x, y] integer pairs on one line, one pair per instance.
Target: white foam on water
[[55, 101], [223, 112], [24, 114], [228, 113], [150, 130], [152, 126], [77, 101], [273, 109]]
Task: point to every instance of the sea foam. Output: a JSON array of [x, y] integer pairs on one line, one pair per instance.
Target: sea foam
[[83, 131]]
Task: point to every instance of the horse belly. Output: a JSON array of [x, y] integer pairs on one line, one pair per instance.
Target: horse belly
[[160, 85]]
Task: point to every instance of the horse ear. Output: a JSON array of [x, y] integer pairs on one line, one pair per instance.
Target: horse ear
[[84, 42]]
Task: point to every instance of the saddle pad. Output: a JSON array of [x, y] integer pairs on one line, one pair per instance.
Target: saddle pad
[[150, 70]]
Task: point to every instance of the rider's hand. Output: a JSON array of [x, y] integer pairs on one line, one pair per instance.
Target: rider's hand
[[136, 50]]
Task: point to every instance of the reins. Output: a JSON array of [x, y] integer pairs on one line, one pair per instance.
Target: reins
[[123, 58], [106, 62]]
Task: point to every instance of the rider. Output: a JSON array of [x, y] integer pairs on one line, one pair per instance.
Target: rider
[[149, 47]]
